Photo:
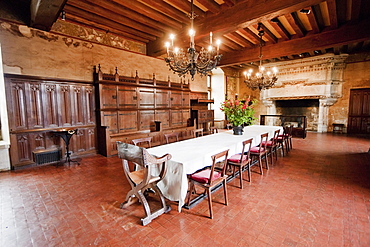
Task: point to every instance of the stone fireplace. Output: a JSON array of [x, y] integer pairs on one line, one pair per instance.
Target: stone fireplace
[[308, 87]]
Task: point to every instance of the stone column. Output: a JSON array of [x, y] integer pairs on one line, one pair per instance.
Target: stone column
[[324, 105]]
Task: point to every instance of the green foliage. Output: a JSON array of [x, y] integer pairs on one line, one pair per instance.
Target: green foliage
[[239, 112]]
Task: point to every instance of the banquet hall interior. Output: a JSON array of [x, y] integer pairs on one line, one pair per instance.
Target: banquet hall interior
[[79, 78]]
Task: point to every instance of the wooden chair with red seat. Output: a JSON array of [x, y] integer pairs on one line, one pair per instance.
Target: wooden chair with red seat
[[283, 141], [210, 178], [197, 132], [261, 151], [143, 141], [213, 130], [271, 146], [143, 179], [242, 161], [171, 136]]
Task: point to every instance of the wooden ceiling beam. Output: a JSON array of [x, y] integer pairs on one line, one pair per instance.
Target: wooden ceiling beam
[[212, 6], [185, 7], [229, 3], [237, 38], [241, 15], [45, 12], [132, 15], [165, 9], [147, 11], [269, 35], [332, 8], [292, 19], [233, 45], [313, 21], [355, 10], [341, 36], [95, 20], [280, 29], [90, 7]]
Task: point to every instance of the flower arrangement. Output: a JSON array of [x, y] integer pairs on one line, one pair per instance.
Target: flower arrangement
[[239, 112]]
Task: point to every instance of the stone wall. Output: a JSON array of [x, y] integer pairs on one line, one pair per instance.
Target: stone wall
[[356, 75], [33, 52]]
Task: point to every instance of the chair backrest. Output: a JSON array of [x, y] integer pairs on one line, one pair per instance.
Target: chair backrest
[[171, 135], [147, 162], [197, 132], [147, 140], [221, 165], [264, 139], [213, 130], [275, 138], [247, 144]]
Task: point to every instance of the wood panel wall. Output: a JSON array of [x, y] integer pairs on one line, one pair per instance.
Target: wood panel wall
[[37, 106], [129, 107]]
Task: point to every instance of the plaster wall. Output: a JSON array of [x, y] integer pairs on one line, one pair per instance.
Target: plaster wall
[[32, 52]]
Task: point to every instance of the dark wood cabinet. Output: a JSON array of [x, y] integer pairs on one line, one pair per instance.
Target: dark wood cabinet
[[131, 108], [37, 106]]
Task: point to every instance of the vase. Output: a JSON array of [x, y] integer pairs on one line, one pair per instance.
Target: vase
[[238, 130]]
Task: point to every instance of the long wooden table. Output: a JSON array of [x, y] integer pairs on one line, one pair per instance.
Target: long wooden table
[[191, 155]]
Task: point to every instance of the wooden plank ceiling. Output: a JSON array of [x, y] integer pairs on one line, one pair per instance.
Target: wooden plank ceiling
[[332, 26]]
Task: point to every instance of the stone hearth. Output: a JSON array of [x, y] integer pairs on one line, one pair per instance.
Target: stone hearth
[[319, 78]]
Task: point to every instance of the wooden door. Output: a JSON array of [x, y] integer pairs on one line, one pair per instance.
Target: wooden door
[[109, 118], [359, 111]]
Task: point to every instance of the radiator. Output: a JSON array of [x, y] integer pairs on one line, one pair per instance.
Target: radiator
[[47, 156]]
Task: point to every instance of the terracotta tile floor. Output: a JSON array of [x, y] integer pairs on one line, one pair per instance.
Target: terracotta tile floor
[[318, 195]]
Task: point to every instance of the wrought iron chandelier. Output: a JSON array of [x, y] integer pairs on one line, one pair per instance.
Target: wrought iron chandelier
[[191, 61], [262, 79]]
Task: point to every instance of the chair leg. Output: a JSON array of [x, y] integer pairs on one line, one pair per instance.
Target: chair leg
[[249, 172], [225, 192], [260, 164], [267, 162], [241, 176], [210, 202], [191, 189]]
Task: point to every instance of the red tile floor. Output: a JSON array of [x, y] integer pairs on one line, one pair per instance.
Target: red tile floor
[[318, 195]]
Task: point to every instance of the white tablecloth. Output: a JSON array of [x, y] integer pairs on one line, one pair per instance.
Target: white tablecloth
[[191, 155]]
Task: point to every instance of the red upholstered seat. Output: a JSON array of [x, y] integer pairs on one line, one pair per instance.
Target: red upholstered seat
[[268, 143], [257, 150], [204, 175], [236, 158]]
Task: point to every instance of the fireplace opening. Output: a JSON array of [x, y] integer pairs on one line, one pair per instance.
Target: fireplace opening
[[301, 107]]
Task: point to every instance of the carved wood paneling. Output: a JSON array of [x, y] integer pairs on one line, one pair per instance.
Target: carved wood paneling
[[65, 106], [17, 106], [37, 106], [78, 106], [90, 105], [109, 118], [146, 120], [146, 96], [127, 121], [176, 118], [176, 99], [164, 117], [35, 113], [186, 99], [50, 106], [127, 97], [162, 98], [108, 96]]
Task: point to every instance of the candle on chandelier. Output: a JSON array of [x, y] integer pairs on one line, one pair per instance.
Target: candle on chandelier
[[172, 37], [210, 38], [167, 44], [218, 42], [192, 34]]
